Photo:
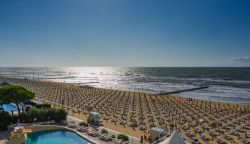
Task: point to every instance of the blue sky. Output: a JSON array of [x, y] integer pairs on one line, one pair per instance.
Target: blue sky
[[124, 33]]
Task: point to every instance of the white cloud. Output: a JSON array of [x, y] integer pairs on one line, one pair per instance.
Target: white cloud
[[242, 59]]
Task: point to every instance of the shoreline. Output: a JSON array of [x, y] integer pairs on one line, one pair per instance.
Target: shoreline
[[135, 91], [192, 117], [183, 94]]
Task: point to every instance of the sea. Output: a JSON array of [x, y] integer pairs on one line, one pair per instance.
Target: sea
[[226, 84]]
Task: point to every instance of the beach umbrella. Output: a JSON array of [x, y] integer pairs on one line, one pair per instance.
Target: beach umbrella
[[123, 117], [213, 133], [142, 127], [114, 120], [74, 110], [79, 110], [4, 83], [158, 117], [198, 130], [106, 118], [133, 124], [85, 112], [123, 122]]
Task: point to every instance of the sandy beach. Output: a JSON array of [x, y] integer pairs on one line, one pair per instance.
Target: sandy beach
[[134, 113]]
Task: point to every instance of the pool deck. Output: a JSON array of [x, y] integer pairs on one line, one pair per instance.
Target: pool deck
[[132, 139], [96, 140], [4, 135], [92, 139], [89, 138]]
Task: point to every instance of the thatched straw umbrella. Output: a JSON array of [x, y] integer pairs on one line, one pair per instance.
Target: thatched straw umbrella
[[4, 83]]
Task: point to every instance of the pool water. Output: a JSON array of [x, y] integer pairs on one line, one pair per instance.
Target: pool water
[[56, 137], [9, 107]]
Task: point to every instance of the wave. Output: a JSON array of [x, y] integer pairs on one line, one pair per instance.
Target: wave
[[225, 83]]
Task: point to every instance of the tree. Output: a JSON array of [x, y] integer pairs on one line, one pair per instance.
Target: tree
[[2, 101], [5, 120], [61, 114], [16, 95]]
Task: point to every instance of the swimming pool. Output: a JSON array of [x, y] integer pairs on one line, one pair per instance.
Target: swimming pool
[[9, 107], [56, 137]]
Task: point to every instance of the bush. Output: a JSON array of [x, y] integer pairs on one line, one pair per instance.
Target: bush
[[123, 137], [60, 115], [14, 119], [23, 118], [44, 114], [83, 124], [33, 114], [104, 131], [43, 106], [5, 120]]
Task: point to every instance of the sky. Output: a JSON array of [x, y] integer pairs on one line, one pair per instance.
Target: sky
[[151, 33]]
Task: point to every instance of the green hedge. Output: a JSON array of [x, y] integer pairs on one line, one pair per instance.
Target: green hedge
[[123, 137], [83, 124], [104, 131], [43, 106], [44, 114], [39, 115]]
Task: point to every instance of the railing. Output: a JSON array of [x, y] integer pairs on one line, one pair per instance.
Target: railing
[[31, 124]]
